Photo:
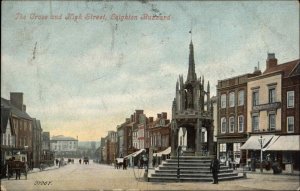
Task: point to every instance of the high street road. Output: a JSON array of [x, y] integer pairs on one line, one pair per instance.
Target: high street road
[[103, 177]]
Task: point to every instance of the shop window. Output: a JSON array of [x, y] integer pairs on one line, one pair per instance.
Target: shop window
[[223, 147]]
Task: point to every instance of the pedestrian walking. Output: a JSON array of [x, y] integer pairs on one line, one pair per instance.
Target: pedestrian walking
[[214, 168], [154, 161], [57, 162], [79, 161], [141, 162]]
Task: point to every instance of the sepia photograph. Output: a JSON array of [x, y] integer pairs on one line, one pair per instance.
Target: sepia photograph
[[150, 95]]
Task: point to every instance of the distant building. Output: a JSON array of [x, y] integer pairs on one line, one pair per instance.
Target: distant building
[[47, 155], [111, 147], [46, 141], [159, 133], [141, 132], [64, 146], [122, 138]]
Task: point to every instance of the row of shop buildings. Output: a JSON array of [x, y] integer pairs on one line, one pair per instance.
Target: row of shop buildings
[[138, 132], [260, 110], [252, 111], [21, 133]]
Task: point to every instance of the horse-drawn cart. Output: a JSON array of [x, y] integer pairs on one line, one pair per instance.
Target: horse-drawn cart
[[19, 167], [16, 164]]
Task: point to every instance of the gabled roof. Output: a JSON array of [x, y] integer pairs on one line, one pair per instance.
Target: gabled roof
[[286, 68], [296, 70], [14, 110], [5, 114]]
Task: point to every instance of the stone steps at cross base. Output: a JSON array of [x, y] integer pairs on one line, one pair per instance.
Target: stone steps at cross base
[[169, 167], [207, 171], [188, 153], [193, 175], [192, 168], [201, 179], [187, 164]]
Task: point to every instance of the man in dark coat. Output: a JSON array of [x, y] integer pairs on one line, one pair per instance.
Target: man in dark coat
[[124, 164], [214, 168]]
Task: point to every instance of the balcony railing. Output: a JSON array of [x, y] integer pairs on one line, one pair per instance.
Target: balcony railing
[[268, 106]]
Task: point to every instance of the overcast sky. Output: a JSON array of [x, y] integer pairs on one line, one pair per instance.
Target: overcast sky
[[84, 77]]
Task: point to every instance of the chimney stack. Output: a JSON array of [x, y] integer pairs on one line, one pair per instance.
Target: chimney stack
[[150, 119], [158, 115], [271, 61], [164, 115], [16, 99], [131, 118]]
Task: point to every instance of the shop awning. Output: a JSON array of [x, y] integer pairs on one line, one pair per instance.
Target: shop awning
[[285, 143], [164, 152], [253, 142], [135, 153], [273, 140]]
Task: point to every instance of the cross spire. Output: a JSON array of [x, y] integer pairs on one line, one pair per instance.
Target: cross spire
[[191, 72]]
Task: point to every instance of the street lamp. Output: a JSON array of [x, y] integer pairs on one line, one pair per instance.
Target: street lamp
[[178, 154], [261, 142]]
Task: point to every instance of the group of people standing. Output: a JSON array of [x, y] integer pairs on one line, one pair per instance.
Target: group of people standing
[[59, 162]]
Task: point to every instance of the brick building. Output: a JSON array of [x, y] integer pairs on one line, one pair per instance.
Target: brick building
[[37, 142], [159, 133], [232, 116], [21, 123], [273, 112]]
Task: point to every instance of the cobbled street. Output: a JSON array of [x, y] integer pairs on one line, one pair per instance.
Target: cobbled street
[[104, 177]]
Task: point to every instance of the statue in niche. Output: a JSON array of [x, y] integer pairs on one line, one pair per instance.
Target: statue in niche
[[189, 99]]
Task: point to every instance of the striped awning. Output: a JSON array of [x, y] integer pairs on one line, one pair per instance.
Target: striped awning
[[285, 143], [164, 152], [253, 143], [135, 153]]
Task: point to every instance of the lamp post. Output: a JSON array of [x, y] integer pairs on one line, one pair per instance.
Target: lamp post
[[261, 141], [178, 154]]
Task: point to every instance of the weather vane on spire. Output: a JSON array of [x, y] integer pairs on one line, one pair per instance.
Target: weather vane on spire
[[191, 31]]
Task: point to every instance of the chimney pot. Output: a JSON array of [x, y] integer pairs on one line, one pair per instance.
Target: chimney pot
[[16, 99], [24, 108], [271, 61]]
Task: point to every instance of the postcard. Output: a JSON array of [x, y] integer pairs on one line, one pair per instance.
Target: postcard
[[149, 95]]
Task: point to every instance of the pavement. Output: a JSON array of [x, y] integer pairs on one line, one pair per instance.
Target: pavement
[[104, 177], [268, 172]]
